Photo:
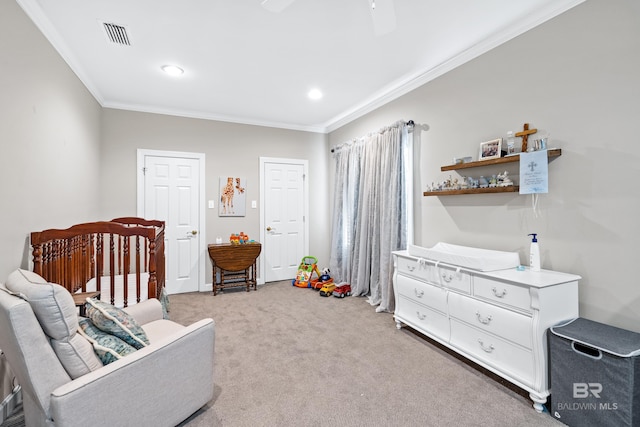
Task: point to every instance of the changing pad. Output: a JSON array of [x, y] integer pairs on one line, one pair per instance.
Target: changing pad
[[468, 257]]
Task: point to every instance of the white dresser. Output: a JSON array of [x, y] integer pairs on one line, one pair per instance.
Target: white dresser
[[498, 319]]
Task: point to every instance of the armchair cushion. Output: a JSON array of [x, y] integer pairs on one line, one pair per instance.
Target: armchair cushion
[[76, 355], [56, 312], [117, 322], [52, 304]]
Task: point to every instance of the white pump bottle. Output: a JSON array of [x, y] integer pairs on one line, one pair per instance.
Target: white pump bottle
[[534, 253]]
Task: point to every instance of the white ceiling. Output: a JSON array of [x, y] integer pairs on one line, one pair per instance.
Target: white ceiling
[[246, 64]]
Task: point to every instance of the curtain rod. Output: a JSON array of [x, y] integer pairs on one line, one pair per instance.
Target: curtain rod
[[409, 123]]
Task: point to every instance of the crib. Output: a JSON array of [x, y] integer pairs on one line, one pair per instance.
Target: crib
[[122, 259]]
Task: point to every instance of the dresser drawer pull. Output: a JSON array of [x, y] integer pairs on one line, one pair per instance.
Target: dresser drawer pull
[[421, 316], [485, 348], [410, 268], [447, 278], [419, 292], [499, 295], [483, 320]]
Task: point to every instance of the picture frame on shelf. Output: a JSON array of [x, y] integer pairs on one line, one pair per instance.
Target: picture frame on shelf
[[490, 149]]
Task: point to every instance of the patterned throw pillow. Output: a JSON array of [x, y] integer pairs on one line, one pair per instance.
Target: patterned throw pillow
[[116, 322], [109, 348]]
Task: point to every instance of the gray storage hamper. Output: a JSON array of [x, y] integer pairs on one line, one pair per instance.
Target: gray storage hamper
[[595, 374]]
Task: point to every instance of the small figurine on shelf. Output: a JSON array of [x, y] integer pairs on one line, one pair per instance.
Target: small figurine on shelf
[[463, 184], [470, 182], [493, 181], [483, 182], [504, 180]]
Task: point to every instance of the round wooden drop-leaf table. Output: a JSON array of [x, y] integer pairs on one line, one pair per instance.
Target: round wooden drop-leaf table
[[234, 265]]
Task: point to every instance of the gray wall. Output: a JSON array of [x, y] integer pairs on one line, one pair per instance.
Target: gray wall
[[230, 149], [49, 139], [578, 78]]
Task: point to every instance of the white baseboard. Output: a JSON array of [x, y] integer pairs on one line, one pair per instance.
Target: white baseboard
[[208, 287]]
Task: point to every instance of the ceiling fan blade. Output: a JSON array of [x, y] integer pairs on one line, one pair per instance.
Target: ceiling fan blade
[[276, 5], [383, 16]]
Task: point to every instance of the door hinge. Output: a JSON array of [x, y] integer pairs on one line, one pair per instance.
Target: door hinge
[[144, 171]]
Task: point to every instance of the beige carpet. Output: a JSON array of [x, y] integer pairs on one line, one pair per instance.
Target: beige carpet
[[287, 357]]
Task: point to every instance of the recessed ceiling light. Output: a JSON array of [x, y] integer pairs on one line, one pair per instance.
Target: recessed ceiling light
[[315, 94], [172, 70]]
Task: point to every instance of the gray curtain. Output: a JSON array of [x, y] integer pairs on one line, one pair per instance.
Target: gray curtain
[[370, 216]]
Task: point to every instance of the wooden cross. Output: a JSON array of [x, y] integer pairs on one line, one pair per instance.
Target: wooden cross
[[525, 135]]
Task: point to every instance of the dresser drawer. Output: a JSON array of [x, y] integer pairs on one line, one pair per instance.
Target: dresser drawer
[[505, 357], [502, 293], [499, 321], [432, 296], [422, 318], [453, 278], [417, 268]]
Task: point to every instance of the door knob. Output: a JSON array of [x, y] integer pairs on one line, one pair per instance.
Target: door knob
[[269, 229], [194, 232]]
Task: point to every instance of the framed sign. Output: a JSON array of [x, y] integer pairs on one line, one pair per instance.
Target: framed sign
[[534, 172]]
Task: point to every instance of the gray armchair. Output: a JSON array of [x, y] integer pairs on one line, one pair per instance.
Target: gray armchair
[[161, 384]]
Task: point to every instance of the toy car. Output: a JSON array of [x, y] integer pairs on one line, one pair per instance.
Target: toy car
[[342, 291], [327, 289], [321, 281]]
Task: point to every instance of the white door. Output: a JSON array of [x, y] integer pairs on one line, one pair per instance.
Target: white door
[[171, 193], [285, 204]]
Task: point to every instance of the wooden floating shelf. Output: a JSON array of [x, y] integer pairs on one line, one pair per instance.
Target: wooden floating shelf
[[510, 159], [511, 189]]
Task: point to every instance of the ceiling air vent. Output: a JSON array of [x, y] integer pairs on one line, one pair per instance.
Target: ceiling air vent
[[116, 34]]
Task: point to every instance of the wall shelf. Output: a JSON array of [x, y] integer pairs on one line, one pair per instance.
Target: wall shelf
[[551, 154], [510, 189], [511, 159]]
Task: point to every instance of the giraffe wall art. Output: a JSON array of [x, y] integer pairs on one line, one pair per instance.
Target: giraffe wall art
[[232, 196]]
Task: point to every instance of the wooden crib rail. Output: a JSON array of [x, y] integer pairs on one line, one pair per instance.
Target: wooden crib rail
[[135, 221], [73, 256]]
